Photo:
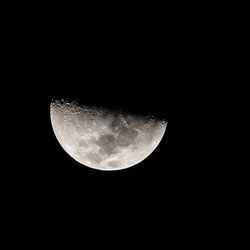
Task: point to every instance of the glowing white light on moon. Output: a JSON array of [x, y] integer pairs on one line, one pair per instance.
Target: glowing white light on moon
[[102, 139]]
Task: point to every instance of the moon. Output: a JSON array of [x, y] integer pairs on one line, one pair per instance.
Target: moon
[[102, 139]]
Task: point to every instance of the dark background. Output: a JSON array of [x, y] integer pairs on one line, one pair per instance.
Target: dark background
[[139, 76], [171, 62], [133, 87], [153, 67]]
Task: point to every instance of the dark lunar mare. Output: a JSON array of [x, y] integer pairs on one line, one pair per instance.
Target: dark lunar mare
[[107, 144], [126, 136]]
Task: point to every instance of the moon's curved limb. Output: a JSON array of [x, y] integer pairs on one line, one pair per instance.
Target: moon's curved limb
[[102, 139]]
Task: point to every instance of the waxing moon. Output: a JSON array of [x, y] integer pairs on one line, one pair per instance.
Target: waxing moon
[[103, 139]]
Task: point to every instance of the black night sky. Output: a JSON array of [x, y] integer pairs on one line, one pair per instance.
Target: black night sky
[[164, 62], [143, 87], [146, 73]]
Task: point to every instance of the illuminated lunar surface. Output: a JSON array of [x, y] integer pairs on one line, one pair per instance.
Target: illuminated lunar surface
[[103, 139]]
